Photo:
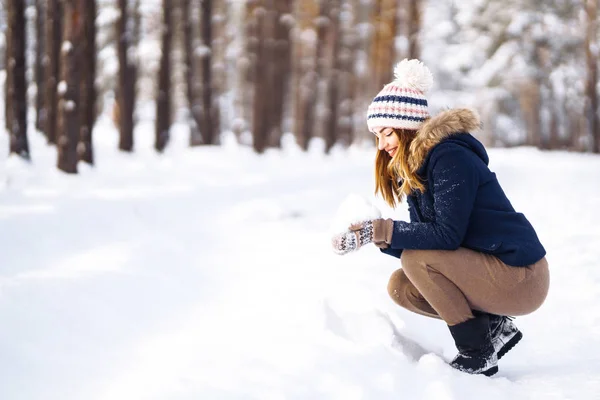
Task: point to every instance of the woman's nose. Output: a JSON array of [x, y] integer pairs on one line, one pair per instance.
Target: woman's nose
[[381, 143]]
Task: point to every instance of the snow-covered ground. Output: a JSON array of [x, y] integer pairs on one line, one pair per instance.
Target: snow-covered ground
[[207, 274]]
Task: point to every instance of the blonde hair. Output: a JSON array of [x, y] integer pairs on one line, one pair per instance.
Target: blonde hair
[[389, 170]]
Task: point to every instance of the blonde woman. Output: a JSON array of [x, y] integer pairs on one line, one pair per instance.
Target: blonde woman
[[467, 256]]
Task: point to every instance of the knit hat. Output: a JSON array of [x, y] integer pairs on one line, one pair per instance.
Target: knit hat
[[402, 103]]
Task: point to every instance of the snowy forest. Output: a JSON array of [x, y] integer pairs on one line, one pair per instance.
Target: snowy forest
[[173, 172], [261, 69]]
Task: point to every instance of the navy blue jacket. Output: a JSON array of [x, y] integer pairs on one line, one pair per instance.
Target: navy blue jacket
[[463, 204]]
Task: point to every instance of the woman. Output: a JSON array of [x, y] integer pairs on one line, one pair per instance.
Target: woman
[[467, 256]]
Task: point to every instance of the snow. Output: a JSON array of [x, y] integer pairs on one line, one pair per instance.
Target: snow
[[354, 209], [62, 87], [202, 51], [70, 105], [207, 274], [67, 46]]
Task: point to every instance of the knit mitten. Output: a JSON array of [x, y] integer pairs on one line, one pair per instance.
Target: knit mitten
[[357, 236]]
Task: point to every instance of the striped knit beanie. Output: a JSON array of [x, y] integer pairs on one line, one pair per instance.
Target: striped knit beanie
[[402, 103]]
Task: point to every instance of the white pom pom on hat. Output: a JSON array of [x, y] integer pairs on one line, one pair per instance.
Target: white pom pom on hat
[[401, 103], [413, 73]]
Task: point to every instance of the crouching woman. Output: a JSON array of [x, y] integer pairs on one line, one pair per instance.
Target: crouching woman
[[467, 256]]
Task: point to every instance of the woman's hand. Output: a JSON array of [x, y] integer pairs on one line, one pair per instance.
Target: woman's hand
[[378, 231], [358, 235]]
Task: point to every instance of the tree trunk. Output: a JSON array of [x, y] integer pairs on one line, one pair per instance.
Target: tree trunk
[[259, 120], [88, 90], [383, 55], [347, 81], [280, 53], [8, 80], [18, 85], [305, 85], [52, 71], [241, 84], [69, 107], [127, 75], [591, 55], [40, 64], [208, 111], [414, 27], [530, 105], [163, 101], [333, 76], [190, 73]]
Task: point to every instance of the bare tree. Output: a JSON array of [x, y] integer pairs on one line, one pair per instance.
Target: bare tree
[[269, 27], [530, 102], [242, 84], [163, 100], [209, 112], [383, 56], [190, 72], [413, 28], [268, 30], [88, 90], [279, 49], [347, 79], [8, 79], [17, 86], [69, 122], [259, 121], [127, 79], [40, 16], [332, 75], [591, 55], [306, 53], [52, 67]]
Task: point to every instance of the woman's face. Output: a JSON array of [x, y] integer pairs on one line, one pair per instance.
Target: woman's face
[[387, 140]]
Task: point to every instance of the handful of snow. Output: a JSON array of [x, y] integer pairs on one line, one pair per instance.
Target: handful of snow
[[353, 209]]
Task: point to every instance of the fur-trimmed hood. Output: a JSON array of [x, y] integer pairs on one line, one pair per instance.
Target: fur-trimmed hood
[[438, 128]]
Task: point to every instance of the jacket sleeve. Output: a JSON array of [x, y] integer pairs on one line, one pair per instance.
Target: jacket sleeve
[[392, 252], [412, 213], [396, 252], [453, 180]]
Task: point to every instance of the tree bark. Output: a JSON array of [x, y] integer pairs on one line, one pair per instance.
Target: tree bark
[[347, 81], [52, 71], [333, 78], [383, 55], [591, 55], [88, 91], [40, 64], [8, 79], [531, 105], [259, 120], [190, 73], [18, 85], [208, 111], [163, 102], [127, 78], [414, 27], [305, 86], [69, 107], [280, 53]]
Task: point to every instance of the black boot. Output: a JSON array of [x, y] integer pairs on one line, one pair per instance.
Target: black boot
[[505, 334], [476, 354]]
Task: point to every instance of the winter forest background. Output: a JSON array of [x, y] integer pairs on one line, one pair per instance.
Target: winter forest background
[[181, 249], [259, 69]]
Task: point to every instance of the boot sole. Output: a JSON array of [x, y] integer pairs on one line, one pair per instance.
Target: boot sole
[[490, 371], [510, 344]]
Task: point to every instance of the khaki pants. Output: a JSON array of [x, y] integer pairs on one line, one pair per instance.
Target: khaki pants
[[449, 284]]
